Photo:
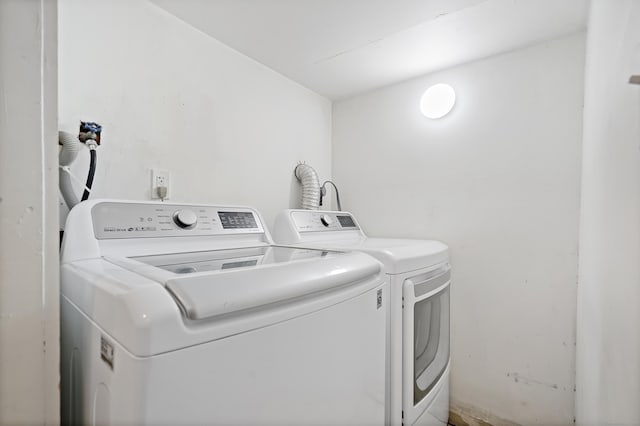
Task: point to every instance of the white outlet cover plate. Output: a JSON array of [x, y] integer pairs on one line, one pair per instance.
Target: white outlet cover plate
[[157, 174]]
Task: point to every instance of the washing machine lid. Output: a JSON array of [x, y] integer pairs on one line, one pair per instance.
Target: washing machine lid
[[225, 259], [211, 283], [397, 254], [341, 230]]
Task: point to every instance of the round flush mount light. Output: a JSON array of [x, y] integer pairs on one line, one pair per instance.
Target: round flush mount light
[[437, 101]]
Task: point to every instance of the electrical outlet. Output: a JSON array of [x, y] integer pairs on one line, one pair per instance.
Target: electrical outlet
[[160, 178]]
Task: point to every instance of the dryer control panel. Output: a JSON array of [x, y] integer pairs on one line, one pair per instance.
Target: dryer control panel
[[141, 220], [318, 221]]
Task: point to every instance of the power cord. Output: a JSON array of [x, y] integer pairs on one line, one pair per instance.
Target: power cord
[[162, 192], [323, 193]]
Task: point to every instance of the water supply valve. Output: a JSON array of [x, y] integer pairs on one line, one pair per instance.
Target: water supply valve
[[90, 131]]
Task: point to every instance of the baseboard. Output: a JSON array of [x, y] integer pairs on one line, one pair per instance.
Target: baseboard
[[466, 415]]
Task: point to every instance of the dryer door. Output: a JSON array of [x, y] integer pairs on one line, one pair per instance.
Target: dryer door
[[426, 339]]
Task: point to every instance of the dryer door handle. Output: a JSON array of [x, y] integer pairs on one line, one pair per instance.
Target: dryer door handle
[[431, 283]]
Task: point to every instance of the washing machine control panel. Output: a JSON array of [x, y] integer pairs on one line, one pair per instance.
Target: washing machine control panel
[[141, 220], [318, 221]]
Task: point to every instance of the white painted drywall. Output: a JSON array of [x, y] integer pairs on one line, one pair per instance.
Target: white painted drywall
[[608, 350], [228, 129], [29, 338], [498, 180]]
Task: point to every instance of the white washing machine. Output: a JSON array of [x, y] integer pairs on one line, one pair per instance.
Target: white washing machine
[[418, 337], [187, 314]]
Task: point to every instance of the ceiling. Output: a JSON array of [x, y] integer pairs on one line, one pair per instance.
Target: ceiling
[[339, 48]]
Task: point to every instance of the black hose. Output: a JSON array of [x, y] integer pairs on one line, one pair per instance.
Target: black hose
[[92, 172]]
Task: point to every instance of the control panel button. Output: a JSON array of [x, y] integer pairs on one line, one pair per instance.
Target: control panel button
[[326, 220], [186, 219]]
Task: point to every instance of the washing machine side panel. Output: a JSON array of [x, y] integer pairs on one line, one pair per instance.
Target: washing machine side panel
[[95, 391], [70, 328], [395, 351], [327, 367]]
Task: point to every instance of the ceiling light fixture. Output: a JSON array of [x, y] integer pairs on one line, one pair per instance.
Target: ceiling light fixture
[[437, 101]]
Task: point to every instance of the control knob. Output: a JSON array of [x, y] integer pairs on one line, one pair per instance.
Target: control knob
[[326, 220], [185, 219]]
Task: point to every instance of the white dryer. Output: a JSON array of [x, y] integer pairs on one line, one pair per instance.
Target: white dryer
[[418, 327], [187, 314]]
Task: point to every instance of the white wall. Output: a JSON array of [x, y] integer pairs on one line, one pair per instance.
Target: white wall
[[498, 180], [608, 358], [29, 348], [229, 129]]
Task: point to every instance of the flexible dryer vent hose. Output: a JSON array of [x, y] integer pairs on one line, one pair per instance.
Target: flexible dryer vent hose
[[71, 146], [310, 186]]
